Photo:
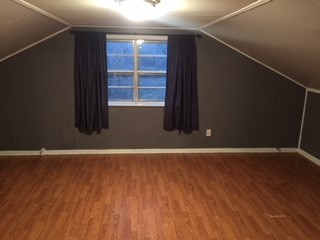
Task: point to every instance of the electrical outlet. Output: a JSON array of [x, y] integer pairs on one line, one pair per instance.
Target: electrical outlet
[[208, 132]]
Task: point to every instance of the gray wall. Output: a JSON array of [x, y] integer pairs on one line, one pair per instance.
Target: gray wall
[[310, 141], [244, 103]]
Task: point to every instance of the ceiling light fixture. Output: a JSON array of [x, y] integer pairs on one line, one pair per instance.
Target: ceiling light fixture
[[138, 10], [152, 2]]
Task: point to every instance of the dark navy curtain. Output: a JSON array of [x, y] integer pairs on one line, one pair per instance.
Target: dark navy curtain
[[181, 103], [90, 81]]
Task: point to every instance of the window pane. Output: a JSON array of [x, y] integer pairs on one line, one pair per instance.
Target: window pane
[[119, 79], [120, 55], [120, 63], [120, 94], [152, 80], [151, 94], [153, 56], [152, 63], [153, 48], [120, 48]]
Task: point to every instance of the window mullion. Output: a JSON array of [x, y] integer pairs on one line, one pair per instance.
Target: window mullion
[[135, 78]]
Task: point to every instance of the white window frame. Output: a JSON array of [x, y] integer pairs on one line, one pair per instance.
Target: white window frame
[[136, 72]]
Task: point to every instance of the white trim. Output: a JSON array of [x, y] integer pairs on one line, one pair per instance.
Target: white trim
[[133, 104], [136, 37], [302, 119], [132, 27], [237, 12], [313, 90], [160, 151], [287, 150], [253, 59], [146, 151], [33, 44], [19, 153], [41, 11], [309, 157]]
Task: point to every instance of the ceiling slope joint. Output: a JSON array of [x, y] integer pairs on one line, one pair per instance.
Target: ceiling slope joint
[[41, 12], [237, 12]]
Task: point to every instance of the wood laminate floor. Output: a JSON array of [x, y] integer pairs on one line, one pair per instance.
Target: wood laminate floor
[[160, 196]]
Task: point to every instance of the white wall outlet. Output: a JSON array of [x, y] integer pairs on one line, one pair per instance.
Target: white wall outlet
[[208, 132]]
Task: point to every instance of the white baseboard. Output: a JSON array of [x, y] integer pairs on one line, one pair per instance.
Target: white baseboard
[[309, 157], [145, 151], [159, 151], [19, 153]]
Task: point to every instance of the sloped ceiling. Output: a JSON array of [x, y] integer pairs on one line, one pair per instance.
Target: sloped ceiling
[[20, 27], [281, 34], [284, 35]]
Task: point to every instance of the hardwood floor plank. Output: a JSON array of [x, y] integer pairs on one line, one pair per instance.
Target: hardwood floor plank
[[159, 196]]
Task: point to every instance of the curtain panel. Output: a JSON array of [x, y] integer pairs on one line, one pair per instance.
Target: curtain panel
[[90, 81], [181, 102]]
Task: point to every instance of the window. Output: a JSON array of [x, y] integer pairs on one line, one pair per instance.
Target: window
[[136, 70]]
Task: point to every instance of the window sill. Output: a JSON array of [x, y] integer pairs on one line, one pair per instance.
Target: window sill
[[133, 104]]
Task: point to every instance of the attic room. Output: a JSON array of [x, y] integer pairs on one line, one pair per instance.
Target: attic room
[[247, 169]]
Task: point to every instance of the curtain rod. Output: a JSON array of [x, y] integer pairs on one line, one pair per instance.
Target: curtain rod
[[150, 34]]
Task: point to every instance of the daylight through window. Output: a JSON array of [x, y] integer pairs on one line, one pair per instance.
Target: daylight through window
[[136, 70]]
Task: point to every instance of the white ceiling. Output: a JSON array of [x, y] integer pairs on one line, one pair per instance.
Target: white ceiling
[[282, 34]]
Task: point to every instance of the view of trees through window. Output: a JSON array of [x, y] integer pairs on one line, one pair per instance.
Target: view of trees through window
[[136, 70]]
